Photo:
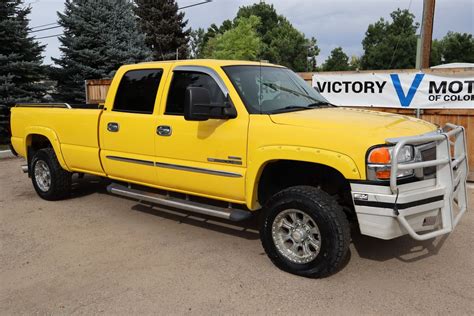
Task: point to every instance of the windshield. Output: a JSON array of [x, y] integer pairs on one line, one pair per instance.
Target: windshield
[[268, 90]]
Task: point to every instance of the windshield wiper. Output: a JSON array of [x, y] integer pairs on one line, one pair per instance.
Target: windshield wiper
[[318, 104], [300, 107], [289, 108], [278, 87]]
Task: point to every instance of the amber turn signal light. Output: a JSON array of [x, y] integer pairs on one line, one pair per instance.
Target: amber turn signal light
[[382, 174], [380, 155]]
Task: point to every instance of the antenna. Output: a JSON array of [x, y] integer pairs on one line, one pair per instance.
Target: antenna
[[260, 89]]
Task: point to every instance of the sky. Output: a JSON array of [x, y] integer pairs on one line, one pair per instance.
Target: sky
[[332, 22]]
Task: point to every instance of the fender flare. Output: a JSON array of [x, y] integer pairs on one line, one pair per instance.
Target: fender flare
[[51, 136], [265, 155]]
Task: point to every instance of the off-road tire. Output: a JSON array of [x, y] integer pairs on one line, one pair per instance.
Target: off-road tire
[[329, 217], [60, 187]]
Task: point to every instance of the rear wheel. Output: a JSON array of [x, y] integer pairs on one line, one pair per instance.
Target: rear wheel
[[304, 231], [50, 180]]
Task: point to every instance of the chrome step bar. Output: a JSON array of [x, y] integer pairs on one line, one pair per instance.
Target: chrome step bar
[[234, 215]]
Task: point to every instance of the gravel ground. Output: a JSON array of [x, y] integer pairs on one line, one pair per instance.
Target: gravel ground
[[97, 253]]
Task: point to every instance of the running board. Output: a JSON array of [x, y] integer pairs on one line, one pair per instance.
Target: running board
[[234, 215]]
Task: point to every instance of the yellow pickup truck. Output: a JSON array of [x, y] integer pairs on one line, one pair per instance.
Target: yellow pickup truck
[[232, 138]]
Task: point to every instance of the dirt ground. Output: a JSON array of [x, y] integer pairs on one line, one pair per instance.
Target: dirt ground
[[97, 253]]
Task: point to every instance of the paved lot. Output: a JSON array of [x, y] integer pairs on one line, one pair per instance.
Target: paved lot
[[97, 253]]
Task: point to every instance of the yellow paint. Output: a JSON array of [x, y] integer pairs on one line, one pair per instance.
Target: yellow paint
[[335, 137]]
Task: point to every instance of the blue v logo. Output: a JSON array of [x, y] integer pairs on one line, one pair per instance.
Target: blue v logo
[[405, 100]]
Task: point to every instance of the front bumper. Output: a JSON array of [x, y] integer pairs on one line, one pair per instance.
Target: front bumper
[[423, 209]]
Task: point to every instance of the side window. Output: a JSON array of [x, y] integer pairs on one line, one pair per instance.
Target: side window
[[184, 79], [137, 91]]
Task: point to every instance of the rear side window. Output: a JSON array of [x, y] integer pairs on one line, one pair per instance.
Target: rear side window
[[184, 79], [137, 91]]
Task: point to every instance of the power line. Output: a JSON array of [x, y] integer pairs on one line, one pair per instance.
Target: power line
[[55, 27], [37, 38], [194, 5], [47, 28], [38, 26], [399, 38]]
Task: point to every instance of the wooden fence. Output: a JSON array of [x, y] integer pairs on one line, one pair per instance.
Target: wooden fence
[[96, 90]]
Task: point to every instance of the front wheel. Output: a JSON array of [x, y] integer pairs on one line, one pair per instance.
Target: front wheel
[[50, 180], [304, 231]]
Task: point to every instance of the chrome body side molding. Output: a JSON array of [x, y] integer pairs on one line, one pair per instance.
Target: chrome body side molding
[[131, 160], [178, 167], [199, 170]]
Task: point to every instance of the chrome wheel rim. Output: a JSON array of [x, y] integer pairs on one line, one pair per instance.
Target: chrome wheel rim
[[296, 236], [42, 175]]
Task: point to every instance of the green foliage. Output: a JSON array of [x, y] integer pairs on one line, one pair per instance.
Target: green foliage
[[280, 43], [454, 47], [436, 55], [196, 43], [354, 63], [165, 28], [99, 36], [337, 61], [391, 45], [240, 42], [20, 56]]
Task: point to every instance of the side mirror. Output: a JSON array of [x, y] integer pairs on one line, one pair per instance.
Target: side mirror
[[198, 106]]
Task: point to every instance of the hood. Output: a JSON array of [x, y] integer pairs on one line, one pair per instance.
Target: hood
[[377, 126]]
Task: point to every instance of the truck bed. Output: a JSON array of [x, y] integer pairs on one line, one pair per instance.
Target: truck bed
[[74, 129]]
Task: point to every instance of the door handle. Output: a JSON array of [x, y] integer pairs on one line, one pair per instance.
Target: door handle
[[164, 130], [112, 127]]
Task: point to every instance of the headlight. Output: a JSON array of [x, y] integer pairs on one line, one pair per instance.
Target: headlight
[[379, 159]]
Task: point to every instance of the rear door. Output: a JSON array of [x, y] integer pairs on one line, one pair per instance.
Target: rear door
[[208, 158], [128, 125]]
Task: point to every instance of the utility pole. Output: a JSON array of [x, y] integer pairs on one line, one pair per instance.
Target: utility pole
[[426, 32]]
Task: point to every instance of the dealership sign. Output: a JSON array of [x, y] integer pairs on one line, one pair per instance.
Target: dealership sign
[[396, 90]]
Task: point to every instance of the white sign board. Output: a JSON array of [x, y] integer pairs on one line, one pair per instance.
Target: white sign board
[[396, 90]]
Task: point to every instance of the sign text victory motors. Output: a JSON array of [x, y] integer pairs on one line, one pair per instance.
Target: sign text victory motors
[[406, 90]]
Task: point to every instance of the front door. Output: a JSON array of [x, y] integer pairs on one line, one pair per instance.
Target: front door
[[206, 158]]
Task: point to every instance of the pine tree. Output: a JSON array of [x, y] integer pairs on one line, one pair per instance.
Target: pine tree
[[164, 27], [20, 56], [99, 36]]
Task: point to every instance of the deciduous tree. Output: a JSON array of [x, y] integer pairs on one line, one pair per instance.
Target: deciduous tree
[[280, 42], [337, 61], [391, 44], [240, 42]]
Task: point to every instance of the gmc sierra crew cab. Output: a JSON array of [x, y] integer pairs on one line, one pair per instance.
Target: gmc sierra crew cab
[[233, 138]]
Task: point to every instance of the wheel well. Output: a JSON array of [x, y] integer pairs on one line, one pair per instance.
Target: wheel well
[[36, 142], [283, 174]]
